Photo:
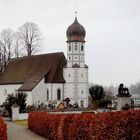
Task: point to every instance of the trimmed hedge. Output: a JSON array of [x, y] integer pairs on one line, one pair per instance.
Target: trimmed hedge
[[3, 130], [105, 126]]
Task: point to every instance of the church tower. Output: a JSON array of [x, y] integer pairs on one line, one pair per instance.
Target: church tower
[[76, 45], [76, 71]]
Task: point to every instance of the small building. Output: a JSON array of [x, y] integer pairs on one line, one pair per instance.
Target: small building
[[136, 100]]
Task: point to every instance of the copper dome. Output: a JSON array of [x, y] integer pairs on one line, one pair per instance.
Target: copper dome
[[76, 32]]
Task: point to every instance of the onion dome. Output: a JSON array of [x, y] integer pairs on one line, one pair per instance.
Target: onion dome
[[76, 32]]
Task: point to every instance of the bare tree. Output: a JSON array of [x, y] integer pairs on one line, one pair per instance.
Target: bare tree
[[135, 89], [6, 50], [30, 36], [18, 48], [28, 39], [1, 58]]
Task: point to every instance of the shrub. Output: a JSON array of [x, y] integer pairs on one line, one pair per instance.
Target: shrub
[[18, 98], [126, 107], [103, 102], [97, 92], [3, 130], [104, 126]]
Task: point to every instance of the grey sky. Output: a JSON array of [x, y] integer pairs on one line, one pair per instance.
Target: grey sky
[[112, 26]]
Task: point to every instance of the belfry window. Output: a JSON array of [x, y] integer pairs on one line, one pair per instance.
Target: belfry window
[[82, 48], [58, 94], [75, 47], [69, 48]]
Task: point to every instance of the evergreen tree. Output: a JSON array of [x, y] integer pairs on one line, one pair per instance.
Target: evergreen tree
[[18, 98], [97, 92]]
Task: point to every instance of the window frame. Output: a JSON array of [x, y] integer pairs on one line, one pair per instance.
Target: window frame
[[69, 47], [82, 48], [76, 48], [58, 94], [47, 95]]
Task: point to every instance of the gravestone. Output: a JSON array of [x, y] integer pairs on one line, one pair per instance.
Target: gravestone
[[61, 106]]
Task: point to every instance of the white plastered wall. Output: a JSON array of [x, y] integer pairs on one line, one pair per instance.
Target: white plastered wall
[[7, 89], [39, 93], [75, 56], [76, 86]]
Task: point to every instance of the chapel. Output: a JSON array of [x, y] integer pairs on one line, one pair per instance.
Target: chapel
[[50, 77]]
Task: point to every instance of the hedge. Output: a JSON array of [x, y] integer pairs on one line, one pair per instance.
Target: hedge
[[3, 130], [105, 126]]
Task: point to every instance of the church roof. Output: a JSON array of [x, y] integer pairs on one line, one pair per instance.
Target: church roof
[[30, 70]]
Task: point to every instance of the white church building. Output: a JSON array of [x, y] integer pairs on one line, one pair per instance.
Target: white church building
[[50, 77]]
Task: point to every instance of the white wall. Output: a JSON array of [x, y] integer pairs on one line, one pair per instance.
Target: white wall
[[39, 93], [75, 56], [7, 89], [18, 116], [69, 75], [122, 101], [29, 100], [76, 86], [23, 116]]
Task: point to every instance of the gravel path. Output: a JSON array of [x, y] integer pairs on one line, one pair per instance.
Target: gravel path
[[17, 132]]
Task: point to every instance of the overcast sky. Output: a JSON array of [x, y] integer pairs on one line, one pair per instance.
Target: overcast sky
[[112, 27]]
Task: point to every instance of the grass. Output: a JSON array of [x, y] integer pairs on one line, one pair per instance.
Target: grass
[[22, 122]]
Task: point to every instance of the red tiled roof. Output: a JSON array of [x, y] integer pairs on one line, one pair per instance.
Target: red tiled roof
[[29, 70]]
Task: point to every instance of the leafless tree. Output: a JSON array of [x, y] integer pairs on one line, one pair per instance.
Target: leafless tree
[[6, 50], [135, 89], [30, 36], [18, 48], [28, 39], [7, 37]]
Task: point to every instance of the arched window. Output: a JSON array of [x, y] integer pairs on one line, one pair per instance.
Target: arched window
[[58, 94], [82, 103], [69, 48], [47, 94], [82, 48], [75, 47]]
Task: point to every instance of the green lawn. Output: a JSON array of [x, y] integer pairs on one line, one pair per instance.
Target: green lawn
[[22, 122]]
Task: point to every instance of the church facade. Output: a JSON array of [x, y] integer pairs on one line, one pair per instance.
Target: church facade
[[50, 77]]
